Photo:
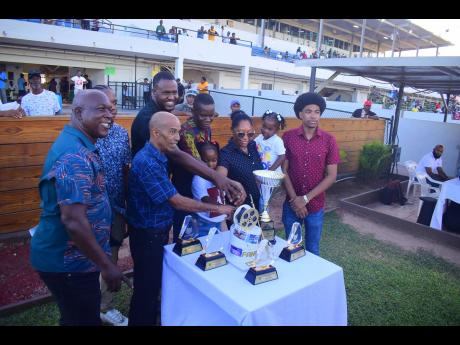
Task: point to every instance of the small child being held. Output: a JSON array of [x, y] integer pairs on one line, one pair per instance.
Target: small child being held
[[203, 190], [269, 145]]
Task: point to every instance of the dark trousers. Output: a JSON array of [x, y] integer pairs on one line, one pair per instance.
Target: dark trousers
[[147, 252], [78, 297], [147, 97]]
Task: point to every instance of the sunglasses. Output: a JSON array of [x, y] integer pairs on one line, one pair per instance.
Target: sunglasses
[[241, 135]]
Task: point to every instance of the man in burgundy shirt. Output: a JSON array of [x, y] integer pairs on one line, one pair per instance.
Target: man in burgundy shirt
[[310, 166]]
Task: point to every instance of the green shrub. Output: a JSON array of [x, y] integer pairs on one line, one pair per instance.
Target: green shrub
[[343, 156], [374, 160]]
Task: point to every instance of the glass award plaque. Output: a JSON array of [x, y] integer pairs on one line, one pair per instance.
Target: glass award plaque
[[187, 243], [209, 260], [263, 271], [294, 248]]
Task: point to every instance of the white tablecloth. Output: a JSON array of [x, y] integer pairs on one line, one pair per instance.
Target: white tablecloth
[[450, 190], [309, 291]]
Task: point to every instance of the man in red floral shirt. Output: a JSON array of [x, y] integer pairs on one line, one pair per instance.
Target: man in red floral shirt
[[310, 166]]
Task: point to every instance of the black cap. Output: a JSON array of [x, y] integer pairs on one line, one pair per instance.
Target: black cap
[[33, 73]]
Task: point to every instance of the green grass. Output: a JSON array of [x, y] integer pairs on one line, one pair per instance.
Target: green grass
[[385, 285]]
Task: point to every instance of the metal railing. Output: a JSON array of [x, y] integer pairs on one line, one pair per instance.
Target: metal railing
[[104, 25], [203, 34]]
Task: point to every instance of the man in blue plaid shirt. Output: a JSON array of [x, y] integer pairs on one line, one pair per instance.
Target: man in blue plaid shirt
[[151, 202]]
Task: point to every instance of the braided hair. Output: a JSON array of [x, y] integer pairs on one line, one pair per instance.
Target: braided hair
[[279, 119], [207, 145]]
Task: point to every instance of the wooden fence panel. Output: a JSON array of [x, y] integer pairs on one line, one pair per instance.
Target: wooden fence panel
[[24, 144]]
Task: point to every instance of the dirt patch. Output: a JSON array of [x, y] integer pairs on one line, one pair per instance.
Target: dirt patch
[[402, 240]]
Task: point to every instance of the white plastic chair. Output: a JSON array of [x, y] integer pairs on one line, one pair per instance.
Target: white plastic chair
[[426, 189], [411, 167]]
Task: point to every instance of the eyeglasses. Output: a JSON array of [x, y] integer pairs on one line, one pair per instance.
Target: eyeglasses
[[241, 135]]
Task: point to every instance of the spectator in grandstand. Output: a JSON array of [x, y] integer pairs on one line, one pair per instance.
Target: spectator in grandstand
[[21, 85], [53, 85], [79, 81], [202, 87], [146, 88], [3, 80], [226, 39], [233, 38], [365, 112], [234, 106], [201, 32], [212, 33], [89, 83], [180, 91], [160, 30], [286, 55], [279, 56], [185, 108], [266, 52], [64, 88], [189, 85], [39, 101]]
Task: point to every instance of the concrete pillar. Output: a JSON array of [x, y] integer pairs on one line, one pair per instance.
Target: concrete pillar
[[261, 37], [244, 84], [361, 44], [179, 68], [393, 43], [320, 36]]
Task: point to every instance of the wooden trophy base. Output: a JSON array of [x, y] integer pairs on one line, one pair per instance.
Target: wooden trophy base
[[210, 261], [292, 252], [261, 274], [185, 247]]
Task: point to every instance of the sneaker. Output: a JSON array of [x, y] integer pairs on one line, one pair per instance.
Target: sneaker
[[114, 318]]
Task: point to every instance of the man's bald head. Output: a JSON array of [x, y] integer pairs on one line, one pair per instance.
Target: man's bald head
[[82, 97], [164, 130], [162, 119], [439, 146]]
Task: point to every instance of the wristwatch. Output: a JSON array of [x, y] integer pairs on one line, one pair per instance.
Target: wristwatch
[[306, 199]]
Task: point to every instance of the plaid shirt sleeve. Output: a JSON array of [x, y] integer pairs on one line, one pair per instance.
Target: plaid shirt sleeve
[[156, 184], [74, 179]]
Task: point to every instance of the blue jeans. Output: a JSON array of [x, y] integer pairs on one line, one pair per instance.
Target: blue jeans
[[313, 223], [146, 247], [77, 295]]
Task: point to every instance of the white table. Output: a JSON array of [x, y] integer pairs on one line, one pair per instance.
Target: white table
[[450, 190], [309, 291]]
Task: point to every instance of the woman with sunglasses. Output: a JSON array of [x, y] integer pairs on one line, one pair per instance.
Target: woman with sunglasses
[[239, 158]]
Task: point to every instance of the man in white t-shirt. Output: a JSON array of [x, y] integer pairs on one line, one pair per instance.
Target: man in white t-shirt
[[431, 164], [39, 102], [79, 81]]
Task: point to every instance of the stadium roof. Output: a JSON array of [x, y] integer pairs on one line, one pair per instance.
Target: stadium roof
[[439, 74], [378, 33]]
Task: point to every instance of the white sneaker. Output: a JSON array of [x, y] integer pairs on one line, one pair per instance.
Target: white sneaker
[[114, 318]]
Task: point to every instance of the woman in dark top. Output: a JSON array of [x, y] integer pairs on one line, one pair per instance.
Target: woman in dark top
[[239, 158]]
